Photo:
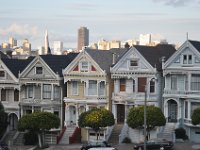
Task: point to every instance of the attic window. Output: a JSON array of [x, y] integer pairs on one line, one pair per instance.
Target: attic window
[[133, 63], [84, 66], [39, 70], [2, 74]]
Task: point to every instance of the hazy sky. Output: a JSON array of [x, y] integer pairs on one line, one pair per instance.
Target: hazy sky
[[108, 19]]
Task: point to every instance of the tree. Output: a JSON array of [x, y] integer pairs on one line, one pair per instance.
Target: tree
[[154, 117], [96, 119], [196, 116], [3, 120], [39, 122]]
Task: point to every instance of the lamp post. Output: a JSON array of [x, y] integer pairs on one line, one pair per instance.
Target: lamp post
[[145, 113], [145, 116]]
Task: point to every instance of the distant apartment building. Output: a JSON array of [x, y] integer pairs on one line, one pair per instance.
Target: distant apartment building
[[83, 38], [106, 45], [12, 42], [145, 39], [26, 45], [57, 47], [5, 45]]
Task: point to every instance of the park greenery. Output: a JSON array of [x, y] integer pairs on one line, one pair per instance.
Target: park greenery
[[3, 120]]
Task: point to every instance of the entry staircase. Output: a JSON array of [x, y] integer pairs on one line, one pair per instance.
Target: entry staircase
[[168, 132], [114, 137], [67, 134]]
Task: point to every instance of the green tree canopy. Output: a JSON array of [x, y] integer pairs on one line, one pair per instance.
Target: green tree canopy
[[38, 122], [155, 117], [96, 119], [3, 120], [196, 116]]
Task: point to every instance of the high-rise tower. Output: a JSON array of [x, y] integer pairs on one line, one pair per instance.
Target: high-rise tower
[[47, 49], [83, 38]]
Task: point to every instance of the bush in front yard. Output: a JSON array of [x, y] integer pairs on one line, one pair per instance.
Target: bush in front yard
[[30, 138], [181, 133]]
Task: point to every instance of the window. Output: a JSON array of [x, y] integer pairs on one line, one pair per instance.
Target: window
[[3, 94], [92, 89], [122, 85], [2, 74], [187, 59], [56, 92], [30, 91], [133, 63], [74, 88], [47, 91], [186, 109], [152, 86], [141, 84], [39, 70], [102, 88], [84, 66], [195, 82], [133, 85], [174, 82], [16, 95]]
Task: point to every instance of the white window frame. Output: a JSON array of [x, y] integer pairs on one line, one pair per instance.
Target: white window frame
[[30, 91], [90, 88], [102, 88], [174, 85], [187, 59], [36, 70], [84, 66], [74, 87], [47, 88], [3, 77], [56, 92], [195, 82]]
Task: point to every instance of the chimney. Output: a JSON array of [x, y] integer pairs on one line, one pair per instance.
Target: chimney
[[113, 58]]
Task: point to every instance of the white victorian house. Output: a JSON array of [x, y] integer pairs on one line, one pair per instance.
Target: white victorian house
[[182, 87], [88, 86], [41, 85], [10, 88], [136, 73]]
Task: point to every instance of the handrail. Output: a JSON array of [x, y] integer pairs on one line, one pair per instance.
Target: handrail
[[59, 137], [72, 138]]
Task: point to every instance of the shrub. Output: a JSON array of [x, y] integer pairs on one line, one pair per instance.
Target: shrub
[[30, 138], [181, 133], [126, 140]]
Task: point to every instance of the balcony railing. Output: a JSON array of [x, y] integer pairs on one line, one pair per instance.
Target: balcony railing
[[181, 92]]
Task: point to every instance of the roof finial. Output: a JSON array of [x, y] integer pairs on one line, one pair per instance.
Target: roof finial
[[187, 36]]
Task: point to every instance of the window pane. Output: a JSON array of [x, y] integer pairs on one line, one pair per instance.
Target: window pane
[[39, 70], [122, 85], [141, 84], [195, 82], [174, 82], [186, 109], [184, 59], [16, 95], [56, 92], [189, 59], [47, 91], [133, 63], [133, 85], [2, 74], [102, 88], [92, 89], [30, 91], [3, 95], [74, 87], [152, 86]]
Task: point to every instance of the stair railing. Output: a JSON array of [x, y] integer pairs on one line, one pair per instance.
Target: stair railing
[[108, 132], [59, 137], [123, 133], [76, 133]]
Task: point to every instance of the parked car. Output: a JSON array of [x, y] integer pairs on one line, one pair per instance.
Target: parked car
[[155, 144], [95, 144], [4, 147], [103, 148]]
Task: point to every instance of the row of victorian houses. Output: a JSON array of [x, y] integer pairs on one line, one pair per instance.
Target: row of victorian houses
[[117, 79]]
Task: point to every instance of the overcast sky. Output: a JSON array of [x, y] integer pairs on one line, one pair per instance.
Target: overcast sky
[[108, 19]]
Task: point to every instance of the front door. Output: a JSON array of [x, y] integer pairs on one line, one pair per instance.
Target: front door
[[120, 113], [172, 111]]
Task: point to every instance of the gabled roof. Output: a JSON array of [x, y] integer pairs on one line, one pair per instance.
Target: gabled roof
[[16, 65], [2, 55], [196, 44], [104, 58], [58, 62], [154, 54]]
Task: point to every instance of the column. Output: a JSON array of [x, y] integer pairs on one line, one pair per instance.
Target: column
[[41, 90], [189, 109], [52, 87], [189, 81]]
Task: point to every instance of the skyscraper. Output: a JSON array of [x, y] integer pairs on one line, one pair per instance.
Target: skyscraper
[[12, 42], [46, 44], [83, 38], [57, 47]]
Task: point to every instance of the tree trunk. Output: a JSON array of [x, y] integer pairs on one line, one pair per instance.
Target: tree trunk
[[39, 140]]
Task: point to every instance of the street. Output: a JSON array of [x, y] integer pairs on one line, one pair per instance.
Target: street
[[177, 146]]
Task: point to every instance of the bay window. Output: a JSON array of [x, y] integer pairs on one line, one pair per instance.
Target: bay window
[[92, 89], [47, 91]]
